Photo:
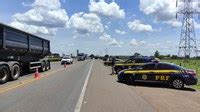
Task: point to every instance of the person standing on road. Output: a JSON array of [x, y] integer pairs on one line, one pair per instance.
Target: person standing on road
[[113, 65]]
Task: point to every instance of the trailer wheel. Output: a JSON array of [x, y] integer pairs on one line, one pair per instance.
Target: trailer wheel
[[43, 67], [4, 74], [15, 72], [47, 66]]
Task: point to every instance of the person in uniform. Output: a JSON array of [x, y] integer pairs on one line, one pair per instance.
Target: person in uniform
[[113, 65]]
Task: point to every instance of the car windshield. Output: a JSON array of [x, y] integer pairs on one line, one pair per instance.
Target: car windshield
[[99, 55], [66, 57], [178, 67]]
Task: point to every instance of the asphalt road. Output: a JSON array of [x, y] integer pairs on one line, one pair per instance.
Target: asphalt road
[[57, 91], [62, 89]]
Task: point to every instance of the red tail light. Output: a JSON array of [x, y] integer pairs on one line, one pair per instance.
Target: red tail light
[[192, 72]]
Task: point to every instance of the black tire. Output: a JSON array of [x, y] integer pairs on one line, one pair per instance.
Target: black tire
[[4, 74], [15, 72], [177, 83], [43, 67], [128, 79], [48, 66]]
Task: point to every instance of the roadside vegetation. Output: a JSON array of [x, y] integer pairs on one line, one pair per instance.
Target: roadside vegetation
[[54, 59]]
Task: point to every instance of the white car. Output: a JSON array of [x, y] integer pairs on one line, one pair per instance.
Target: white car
[[66, 60]]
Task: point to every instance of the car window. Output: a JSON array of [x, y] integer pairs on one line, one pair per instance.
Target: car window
[[139, 61], [148, 67], [130, 61], [142, 60], [163, 66], [65, 57]]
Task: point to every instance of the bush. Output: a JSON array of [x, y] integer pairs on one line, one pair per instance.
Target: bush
[[54, 59]]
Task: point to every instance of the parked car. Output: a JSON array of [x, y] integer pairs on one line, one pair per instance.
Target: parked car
[[67, 60], [172, 74]]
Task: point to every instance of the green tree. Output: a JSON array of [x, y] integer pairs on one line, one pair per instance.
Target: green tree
[[174, 57], [137, 54], [91, 56], [106, 57]]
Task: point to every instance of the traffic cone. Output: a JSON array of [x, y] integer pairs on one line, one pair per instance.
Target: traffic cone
[[37, 74]]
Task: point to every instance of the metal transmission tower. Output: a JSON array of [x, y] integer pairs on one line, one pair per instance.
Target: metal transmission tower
[[187, 44]]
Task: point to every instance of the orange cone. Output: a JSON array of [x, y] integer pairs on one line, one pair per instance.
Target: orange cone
[[37, 74]]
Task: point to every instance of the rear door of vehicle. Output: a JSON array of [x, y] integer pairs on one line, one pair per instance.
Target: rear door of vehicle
[[164, 72]]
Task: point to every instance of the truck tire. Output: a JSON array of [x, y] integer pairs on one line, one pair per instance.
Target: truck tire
[[47, 65], [4, 74], [15, 72], [43, 67], [177, 83]]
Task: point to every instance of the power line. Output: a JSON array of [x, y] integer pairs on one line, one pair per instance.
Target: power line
[[188, 42]]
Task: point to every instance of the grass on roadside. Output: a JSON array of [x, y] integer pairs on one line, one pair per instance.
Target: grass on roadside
[[54, 59]]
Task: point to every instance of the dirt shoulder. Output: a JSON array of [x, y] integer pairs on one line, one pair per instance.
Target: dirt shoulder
[[170, 100]]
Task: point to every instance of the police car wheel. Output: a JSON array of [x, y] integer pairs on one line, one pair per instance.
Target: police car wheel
[[177, 83], [128, 80]]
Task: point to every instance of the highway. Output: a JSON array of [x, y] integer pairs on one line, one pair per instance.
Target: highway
[[58, 92], [87, 86]]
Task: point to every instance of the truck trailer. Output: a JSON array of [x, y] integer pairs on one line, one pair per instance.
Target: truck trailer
[[21, 52], [81, 56]]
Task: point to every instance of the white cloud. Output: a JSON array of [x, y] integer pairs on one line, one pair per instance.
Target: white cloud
[[110, 41], [138, 26], [106, 9], [70, 44], [120, 32], [44, 18], [135, 42], [174, 23], [106, 27], [196, 25], [162, 10], [86, 23], [52, 4], [168, 42], [34, 29]]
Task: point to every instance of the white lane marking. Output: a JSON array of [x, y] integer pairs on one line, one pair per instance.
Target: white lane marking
[[80, 100]]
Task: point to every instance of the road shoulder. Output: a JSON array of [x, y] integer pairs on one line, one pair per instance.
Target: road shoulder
[[105, 94]]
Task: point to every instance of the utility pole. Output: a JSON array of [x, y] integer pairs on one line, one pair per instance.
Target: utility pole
[[188, 43]]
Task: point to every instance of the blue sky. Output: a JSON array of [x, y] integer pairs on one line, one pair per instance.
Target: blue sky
[[123, 27]]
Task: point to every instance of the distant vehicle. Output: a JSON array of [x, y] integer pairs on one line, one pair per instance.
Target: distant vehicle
[[132, 62], [66, 60], [81, 56], [172, 74], [20, 52]]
